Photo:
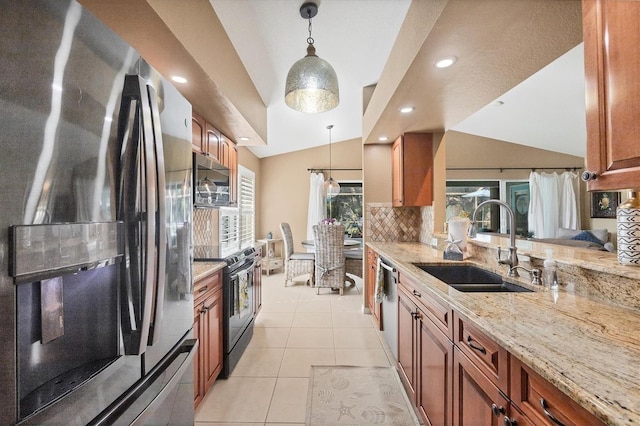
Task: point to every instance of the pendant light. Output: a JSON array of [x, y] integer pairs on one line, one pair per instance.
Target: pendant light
[[331, 187], [312, 84]]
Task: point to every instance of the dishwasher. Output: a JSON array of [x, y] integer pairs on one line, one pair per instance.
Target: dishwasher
[[390, 306]]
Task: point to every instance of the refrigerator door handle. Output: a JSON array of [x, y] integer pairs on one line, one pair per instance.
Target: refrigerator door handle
[[139, 164], [160, 230]]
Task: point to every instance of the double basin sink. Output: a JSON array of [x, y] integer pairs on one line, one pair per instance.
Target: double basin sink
[[470, 279]]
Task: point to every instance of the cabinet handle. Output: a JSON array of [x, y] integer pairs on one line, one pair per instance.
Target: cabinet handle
[[416, 315], [497, 410], [204, 309], [205, 288], [416, 294], [474, 345], [587, 176], [547, 413], [509, 422]]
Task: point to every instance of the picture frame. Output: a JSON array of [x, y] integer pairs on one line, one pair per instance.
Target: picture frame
[[604, 204]]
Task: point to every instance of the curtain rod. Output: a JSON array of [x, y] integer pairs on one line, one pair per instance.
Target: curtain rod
[[533, 169], [331, 170]]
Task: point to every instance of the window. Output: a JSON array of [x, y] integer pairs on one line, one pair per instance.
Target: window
[[247, 206], [346, 208]]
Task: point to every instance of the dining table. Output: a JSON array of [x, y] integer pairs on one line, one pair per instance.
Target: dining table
[[349, 244]]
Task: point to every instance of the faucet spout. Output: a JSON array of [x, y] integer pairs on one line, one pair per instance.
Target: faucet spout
[[512, 261]]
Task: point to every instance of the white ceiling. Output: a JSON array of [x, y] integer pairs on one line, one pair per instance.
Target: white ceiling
[[270, 35], [545, 111]]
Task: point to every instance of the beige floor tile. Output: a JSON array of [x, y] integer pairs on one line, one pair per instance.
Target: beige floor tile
[[347, 304], [368, 357], [312, 319], [228, 424], [356, 338], [314, 305], [289, 400], [259, 362], [280, 304], [297, 362], [228, 400], [310, 338], [269, 337], [351, 320], [274, 319]]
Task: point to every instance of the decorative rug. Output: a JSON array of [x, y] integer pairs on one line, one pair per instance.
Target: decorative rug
[[347, 395]]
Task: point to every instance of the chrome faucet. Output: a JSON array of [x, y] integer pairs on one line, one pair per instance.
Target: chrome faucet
[[512, 260], [534, 273]]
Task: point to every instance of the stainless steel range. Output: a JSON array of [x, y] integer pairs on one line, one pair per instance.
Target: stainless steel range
[[238, 302]]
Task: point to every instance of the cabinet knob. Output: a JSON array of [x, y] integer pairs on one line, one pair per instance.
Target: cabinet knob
[[497, 410], [509, 422], [587, 175]]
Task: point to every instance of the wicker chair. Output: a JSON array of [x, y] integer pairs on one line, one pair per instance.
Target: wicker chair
[[353, 264], [295, 264], [330, 269]]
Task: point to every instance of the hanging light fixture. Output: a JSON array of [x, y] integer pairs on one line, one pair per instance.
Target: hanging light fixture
[[312, 84], [331, 187]]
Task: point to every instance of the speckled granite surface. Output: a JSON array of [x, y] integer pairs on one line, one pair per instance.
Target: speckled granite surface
[[587, 348], [202, 269]]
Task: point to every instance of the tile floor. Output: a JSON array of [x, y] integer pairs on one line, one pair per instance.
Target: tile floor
[[295, 329]]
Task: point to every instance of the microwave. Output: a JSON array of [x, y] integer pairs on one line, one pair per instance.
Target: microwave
[[210, 182]]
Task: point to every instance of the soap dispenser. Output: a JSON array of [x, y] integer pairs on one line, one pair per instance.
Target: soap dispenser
[[550, 274]]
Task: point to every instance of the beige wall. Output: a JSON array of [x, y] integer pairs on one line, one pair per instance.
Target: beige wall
[[284, 185]]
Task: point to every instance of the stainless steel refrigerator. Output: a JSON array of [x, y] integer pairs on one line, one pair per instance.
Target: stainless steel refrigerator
[[96, 300]]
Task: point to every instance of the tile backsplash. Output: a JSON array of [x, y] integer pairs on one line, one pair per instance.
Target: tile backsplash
[[386, 223]]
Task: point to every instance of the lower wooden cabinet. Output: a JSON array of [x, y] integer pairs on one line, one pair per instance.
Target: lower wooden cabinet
[[207, 328], [370, 287], [424, 360]]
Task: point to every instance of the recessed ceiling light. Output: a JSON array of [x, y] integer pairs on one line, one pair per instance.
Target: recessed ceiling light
[[179, 79], [498, 103], [383, 138], [244, 138], [407, 109], [446, 62]]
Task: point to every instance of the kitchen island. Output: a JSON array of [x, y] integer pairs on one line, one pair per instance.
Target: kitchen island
[[589, 349]]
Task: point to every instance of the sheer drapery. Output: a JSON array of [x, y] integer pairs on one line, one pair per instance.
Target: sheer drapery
[[553, 203], [316, 202]]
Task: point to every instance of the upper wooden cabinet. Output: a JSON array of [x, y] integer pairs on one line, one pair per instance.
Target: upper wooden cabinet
[[412, 170], [212, 141], [611, 31], [197, 133]]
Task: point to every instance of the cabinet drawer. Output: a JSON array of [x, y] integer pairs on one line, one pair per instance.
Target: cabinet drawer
[[206, 285], [437, 311], [274, 263], [540, 401], [486, 354]]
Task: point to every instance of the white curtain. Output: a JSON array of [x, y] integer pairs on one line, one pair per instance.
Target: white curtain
[[554, 203], [316, 202]]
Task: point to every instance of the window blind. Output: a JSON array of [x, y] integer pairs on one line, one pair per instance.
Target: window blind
[[246, 205]]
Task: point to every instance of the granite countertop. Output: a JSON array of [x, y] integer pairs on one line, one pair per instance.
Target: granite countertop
[[202, 269], [589, 349]]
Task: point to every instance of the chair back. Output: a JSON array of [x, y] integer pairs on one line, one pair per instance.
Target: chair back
[[329, 246], [288, 239]]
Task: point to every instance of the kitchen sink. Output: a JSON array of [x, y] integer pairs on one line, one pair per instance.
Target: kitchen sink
[[470, 279]]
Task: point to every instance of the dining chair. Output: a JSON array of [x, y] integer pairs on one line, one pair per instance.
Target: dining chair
[[330, 266], [353, 263], [295, 264]]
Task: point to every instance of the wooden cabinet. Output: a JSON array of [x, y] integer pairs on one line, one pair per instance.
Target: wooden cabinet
[[412, 170], [542, 402], [370, 287], [273, 255], [207, 328], [197, 133], [211, 142], [424, 355], [611, 31]]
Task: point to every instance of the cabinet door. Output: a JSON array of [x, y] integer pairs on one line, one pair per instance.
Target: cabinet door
[[223, 150], [372, 277], [212, 141], [197, 134], [435, 360], [612, 58], [198, 379], [213, 337], [406, 343], [397, 170], [476, 401]]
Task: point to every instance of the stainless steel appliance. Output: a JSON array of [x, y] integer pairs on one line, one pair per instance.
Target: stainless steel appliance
[[238, 295], [96, 300], [390, 306], [210, 182]]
